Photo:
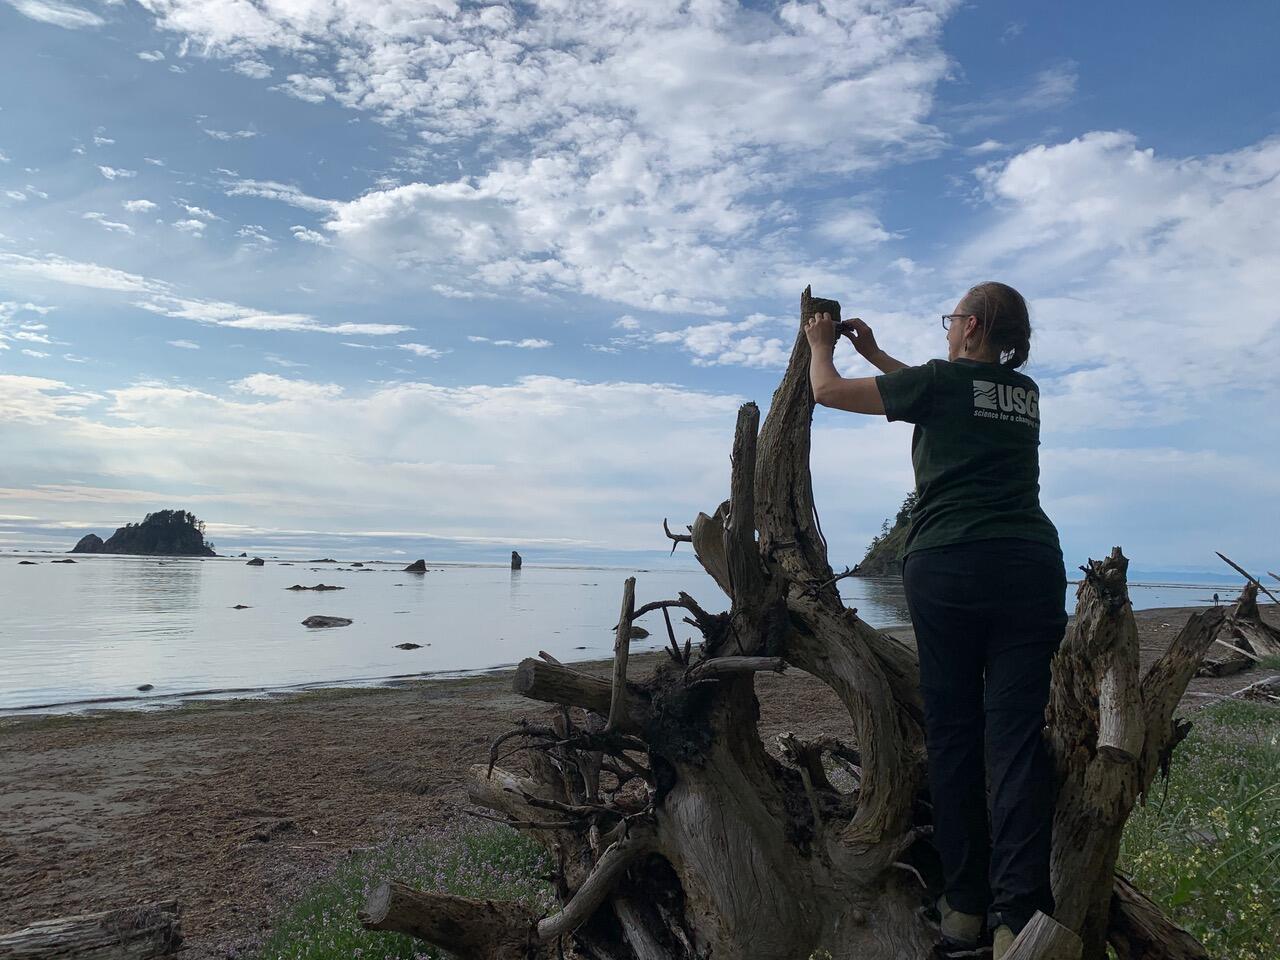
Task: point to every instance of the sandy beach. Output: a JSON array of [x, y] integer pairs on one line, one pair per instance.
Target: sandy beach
[[228, 806]]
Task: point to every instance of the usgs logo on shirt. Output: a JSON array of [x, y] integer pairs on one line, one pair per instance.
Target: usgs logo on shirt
[[1002, 401]]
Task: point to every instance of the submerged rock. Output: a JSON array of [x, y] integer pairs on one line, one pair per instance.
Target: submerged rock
[[418, 566], [145, 687], [325, 560], [26, 563], [357, 564], [256, 562], [318, 586], [241, 606], [408, 646], [319, 621], [68, 560]]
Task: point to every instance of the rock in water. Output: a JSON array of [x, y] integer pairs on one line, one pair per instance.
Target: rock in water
[[408, 646], [318, 621], [89, 543], [244, 554], [145, 687], [318, 586], [26, 563], [68, 560], [241, 606], [515, 560], [256, 562], [357, 564], [639, 633], [419, 566]]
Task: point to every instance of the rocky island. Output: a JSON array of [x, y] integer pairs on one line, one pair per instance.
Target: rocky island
[[165, 533], [884, 555]]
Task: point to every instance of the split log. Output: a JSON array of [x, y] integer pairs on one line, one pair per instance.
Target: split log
[[1140, 931], [131, 933], [1266, 690], [675, 835]]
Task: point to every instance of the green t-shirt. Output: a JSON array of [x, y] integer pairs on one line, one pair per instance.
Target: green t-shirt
[[974, 451]]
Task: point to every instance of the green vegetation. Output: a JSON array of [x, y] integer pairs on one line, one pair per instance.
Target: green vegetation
[[884, 555], [487, 862], [1208, 849], [1270, 663]]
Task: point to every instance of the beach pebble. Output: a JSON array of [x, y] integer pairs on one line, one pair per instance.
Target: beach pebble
[[320, 621], [408, 646]]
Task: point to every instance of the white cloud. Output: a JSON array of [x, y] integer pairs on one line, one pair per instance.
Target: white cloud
[[280, 388], [193, 227], [1145, 267], [60, 270], [102, 141], [723, 343], [183, 344], [224, 314], [102, 221], [529, 343], [986, 146], [154, 162], [200, 212], [15, 195], [151, 56], [627, 323], [39, 355], [138, 206], [279, 191], [253, 69], [648, 139], [32, 191], [310, 89], [174, 68], [115, 173], [254, 235], [419, 350], [231, 134], [57, 13], [309, 236], [4, 157]]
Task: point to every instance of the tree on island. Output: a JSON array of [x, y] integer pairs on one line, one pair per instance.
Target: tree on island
[[674, 833], [165, 533], [884, 555]]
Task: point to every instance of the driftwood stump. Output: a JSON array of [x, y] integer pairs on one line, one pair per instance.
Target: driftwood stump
[[677, 835], [131, 933]]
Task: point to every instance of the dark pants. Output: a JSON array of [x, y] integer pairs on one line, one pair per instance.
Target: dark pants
[[988, 617]]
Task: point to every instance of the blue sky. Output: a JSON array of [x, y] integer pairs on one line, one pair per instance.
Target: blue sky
[[445, 279]]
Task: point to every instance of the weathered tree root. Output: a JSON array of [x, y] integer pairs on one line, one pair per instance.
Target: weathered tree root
[[1243, 638], [676, 836]]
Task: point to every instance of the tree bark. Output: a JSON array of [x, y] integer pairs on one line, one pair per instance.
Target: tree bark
[[690, 840], [131, 933]]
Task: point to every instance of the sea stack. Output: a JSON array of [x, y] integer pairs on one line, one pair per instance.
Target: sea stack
[[418, 566], [515, 560], [256, 562]]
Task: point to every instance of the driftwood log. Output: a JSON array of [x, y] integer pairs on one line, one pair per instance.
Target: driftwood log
[[676, 835], [1243, 639], [132, 933]]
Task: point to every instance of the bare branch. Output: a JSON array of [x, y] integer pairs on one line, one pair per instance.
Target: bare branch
[[611, 865], [718, 667], [621, 650], [1248, 576], [676, 538]]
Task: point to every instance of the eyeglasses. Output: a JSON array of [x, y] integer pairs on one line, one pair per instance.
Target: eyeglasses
[[948, 317]]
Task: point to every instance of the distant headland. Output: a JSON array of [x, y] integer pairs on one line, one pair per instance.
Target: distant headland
[[165, 533]]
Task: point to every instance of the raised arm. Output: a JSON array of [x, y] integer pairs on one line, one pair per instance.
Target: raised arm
[[857, 395]]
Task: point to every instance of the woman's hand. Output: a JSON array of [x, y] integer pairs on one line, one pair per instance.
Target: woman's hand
[[821, 332], [862, 338]]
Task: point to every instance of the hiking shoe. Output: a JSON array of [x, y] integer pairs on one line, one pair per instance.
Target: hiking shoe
[[1001, 941], [959, 929]]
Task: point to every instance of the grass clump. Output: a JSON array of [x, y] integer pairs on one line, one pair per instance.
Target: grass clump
[[1208, 849], [1270, 663], [493, 862]]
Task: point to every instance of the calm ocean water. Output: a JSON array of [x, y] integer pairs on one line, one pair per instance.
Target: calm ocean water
[[97, 629]]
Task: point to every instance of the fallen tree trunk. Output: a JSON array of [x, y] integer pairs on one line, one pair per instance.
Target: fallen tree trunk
[[1243, 638], [677, 836], [131, 933]]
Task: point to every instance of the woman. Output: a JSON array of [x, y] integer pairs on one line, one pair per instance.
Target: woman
[[985, 588]]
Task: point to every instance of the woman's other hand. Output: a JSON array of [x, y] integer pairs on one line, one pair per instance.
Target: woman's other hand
[[821, 332], [862, 338]]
